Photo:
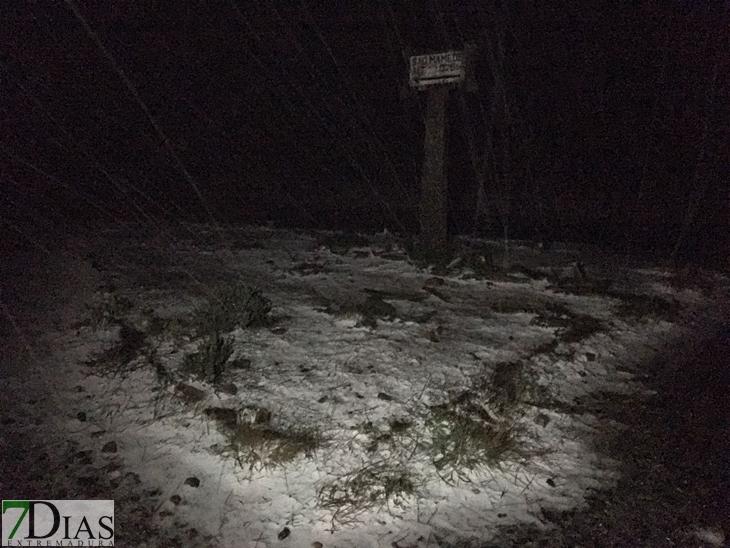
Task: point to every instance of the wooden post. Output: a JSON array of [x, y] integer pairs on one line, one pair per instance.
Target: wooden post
[[434, 73], [434, 195]]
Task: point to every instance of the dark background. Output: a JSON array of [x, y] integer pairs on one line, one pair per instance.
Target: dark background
[[616, 126]]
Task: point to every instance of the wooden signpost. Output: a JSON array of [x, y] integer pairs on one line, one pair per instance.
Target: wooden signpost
[[435, 73]]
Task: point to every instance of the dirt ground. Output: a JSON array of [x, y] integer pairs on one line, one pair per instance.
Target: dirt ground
[[675, 455], [675, 451]]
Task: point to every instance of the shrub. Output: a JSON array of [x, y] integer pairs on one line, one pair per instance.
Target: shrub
[[233, 306], [466, 442], [366, 488], [211, 358], [263, 446]]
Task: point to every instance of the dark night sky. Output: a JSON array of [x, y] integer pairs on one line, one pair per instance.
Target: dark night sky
[[619, 112]]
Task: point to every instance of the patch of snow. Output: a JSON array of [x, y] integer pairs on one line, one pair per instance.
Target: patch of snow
[[346, 377]]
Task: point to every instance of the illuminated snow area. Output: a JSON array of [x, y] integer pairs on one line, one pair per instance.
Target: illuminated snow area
[[348, 381]]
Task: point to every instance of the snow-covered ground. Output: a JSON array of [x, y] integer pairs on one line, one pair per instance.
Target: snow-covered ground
[[380, 403]]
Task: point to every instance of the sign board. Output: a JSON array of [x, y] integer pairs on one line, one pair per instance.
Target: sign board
[[437, 68]]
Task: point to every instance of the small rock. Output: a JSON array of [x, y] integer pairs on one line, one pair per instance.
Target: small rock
[[109, 447], [542, 420], [550, 482], [323, 399], [263, 416], [98, 434], [433, 282], [400, 425], [189, 393], [435, 334], [436, 292], [192, 482], [278, 330], [285, 532], [81, 416], [240, 363], [175, 499], [227, 417], [385, 397], [316, 544], [501, 515], [550, 514], [133, 477], [84, 457], [228, 388], [590, 356]]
